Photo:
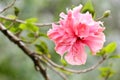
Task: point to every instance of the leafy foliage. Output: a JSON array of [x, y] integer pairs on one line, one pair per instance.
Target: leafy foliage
[[16, 11], [29, 25], [106, 72], [11, 16], [15, 29], [64, 63], [110, 47], [42, 48], [114, 56], [88, 7]]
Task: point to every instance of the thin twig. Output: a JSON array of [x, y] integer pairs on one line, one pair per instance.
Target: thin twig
[[21, 21], [27, 51], [9, 6], [58, 72], [99, 18], [76, 71]]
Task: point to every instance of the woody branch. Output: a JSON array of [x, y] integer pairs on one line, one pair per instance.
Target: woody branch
[[22, 21], [8, 6], [22, 46]]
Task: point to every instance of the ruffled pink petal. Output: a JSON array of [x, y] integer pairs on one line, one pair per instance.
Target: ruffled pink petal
[[62, 39], [56, 33], [69, 23], [95, 27], [86, 18], [62, 48], [76, 11], [76, 55], [81, 30], [63, 44], [63, 15], [95, 42]]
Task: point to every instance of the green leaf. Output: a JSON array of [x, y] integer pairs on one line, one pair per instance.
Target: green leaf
[[15, 29], [42, 48], [44, 45], [88, 7], [106, 71], [63, 62], [31, 35], [101, 52], [114, 56], [11, 16], [29, 25], [43, 35], [110, 47], [39, 49], [16, 11], [22, 26], [31, 20]]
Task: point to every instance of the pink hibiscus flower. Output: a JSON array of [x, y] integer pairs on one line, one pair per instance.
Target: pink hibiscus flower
[[74, 31]]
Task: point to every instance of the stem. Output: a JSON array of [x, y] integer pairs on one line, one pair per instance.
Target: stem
[[21, 21], [99, 18], [77, 71], [55, 70], [59, 73], [9, 6]]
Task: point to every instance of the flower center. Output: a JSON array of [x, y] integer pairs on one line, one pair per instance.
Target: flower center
[[80, 38]]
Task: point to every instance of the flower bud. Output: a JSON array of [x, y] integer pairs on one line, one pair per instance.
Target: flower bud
[[106, 13]]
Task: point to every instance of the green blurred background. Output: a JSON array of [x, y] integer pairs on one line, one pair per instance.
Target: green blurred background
[[15, 65]]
